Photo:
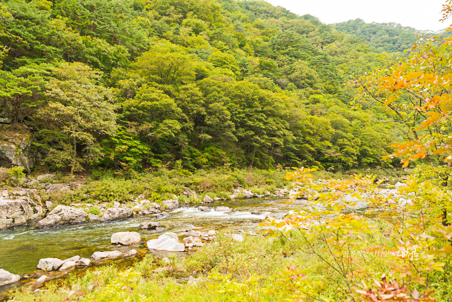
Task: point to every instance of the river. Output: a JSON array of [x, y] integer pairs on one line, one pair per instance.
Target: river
[[22, 247]]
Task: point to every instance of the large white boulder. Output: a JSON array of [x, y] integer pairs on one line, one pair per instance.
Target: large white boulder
[[7, 278], [19, 209], [125, 238], [84, 262], [41, 280], [116, 214], [67, 265], [166, 242], [149, 225], [207, 199], [63, 215], [49, 264], [106, 255]]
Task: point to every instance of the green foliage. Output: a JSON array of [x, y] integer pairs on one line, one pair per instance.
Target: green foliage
[[79, 110], [15, 175], [386, 37], [135, 85], [107, 186]]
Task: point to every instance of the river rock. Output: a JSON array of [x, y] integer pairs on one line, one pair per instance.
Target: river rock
[[20, 209], [7, 278], [153, 209], [93, 218], [75, 258], [204, 209], [49, 264], [197, 242], [193, 241], [41, 280], [67, 265], [195, 234], [131, 253], [247, 194], [84, 262], [166, 242], [63, 215], [207, 199], [116, 214], [211, 233], [51, 188], [171, 204], [125, 238], [149, 225], [162, 215], [190, 193], [106, 255], [138, 207], [256, 212], [155, 206], [223, 209], [45, 176], [145, 202], [238, 237]]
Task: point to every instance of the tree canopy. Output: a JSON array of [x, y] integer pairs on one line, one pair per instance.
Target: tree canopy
[[141, 84]]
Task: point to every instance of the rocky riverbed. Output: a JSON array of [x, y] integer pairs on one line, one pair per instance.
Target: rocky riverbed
[[22, 248], [47, 246]]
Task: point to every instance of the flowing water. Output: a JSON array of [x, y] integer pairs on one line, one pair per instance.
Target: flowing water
[[21, 248]]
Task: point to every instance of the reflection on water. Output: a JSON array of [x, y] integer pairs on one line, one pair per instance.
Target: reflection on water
[[21, 248]]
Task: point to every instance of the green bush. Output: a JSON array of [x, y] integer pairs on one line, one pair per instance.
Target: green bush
[[94, 211], [15, 175]]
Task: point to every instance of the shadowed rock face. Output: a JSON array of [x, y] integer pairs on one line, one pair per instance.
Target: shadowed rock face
[[5, 117], [19, 208], [16, 147], [5, 161]]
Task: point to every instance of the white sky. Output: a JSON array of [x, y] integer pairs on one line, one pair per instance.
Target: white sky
[[419, 14]]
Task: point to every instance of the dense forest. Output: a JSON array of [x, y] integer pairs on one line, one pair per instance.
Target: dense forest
[[390, 38], [136, 84]]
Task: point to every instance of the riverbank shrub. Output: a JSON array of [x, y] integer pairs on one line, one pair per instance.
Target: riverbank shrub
[[165, 184]]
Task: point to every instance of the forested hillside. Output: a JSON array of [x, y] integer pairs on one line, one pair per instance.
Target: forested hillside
[[136, 84], [386, 37]]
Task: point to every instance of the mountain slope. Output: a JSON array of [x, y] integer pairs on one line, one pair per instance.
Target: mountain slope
[[134, 84], [386, 37]]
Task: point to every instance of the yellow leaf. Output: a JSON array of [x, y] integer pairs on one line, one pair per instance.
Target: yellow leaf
[[391, 99], [448, 249]]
